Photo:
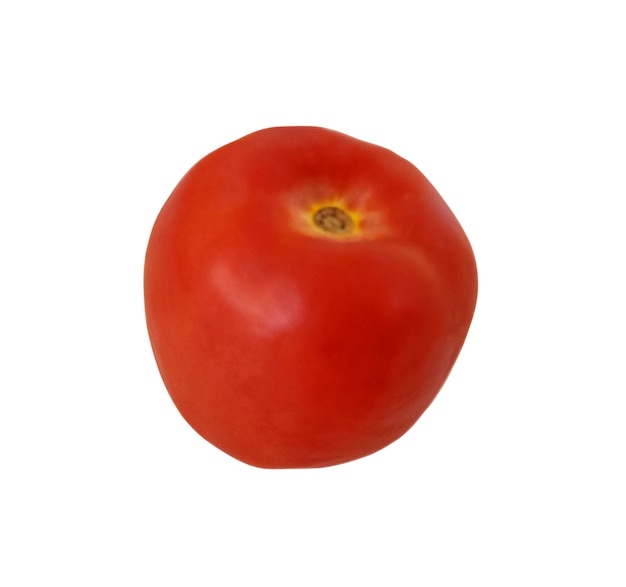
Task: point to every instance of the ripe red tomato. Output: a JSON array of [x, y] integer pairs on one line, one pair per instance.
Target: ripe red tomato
[[306, 295]]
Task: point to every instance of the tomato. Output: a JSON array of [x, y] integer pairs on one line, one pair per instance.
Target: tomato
[[306, 297]]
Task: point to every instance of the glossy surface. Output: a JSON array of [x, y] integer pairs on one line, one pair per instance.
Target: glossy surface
[[306, 296]]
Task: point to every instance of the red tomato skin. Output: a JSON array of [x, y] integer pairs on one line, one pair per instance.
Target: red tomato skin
[[289, 347]]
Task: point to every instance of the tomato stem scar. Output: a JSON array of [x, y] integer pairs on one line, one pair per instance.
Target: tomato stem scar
[[334, 220]]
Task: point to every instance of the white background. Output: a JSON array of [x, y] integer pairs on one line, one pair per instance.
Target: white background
[[515, 112]]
